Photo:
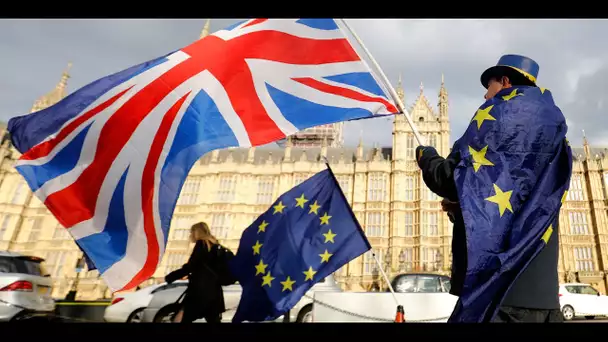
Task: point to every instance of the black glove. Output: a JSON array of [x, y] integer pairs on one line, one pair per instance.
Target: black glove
[[424, 152], [170, 278]]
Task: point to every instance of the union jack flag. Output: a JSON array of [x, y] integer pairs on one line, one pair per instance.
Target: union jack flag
[[109, 160]]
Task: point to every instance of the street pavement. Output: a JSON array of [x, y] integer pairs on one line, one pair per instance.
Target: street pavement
[[597, 320]]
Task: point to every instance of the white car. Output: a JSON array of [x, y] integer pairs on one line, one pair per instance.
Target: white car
[[25, 288], [128, 307], [581, 300], [162, 306]]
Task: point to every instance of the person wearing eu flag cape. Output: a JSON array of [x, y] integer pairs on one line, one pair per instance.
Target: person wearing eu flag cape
[[503, 185]]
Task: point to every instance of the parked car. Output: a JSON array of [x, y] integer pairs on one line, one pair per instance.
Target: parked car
[[162, 306], [424, 296], [582, 300], [25, 288], [129, 307], [421, 283]]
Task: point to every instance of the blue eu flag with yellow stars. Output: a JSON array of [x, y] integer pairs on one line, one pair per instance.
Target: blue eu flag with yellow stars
[[306, 235], [513, 177]]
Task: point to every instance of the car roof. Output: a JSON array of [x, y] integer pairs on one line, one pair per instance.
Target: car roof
[[10, 254], [421, 273]]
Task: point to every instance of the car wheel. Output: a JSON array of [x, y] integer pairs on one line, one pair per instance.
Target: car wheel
[[568, 312], [166, 314], [136, 316], [305, 315]]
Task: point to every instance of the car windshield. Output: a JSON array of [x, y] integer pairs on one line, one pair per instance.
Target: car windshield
[[20, 265], [428, 284], [406, 284]]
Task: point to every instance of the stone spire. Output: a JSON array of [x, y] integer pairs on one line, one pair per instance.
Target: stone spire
[[400, 92], [360, 147], [421, 88], [288, 147], [54, 95], [443, 99], [586, 146], [251, 154], [323, 148], [205, 31]]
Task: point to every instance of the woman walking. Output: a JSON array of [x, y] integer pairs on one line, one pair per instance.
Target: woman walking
[[204, 297]]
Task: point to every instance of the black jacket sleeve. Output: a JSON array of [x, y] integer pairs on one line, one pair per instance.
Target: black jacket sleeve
[[197, 261], [438, 172]]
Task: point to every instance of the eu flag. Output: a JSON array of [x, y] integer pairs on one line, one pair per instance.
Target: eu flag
[[512, 180], [306, 235]]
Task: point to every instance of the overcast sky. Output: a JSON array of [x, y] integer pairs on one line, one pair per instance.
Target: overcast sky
[[572, 58]]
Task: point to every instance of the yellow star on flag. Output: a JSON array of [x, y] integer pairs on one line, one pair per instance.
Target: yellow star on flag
[[547, 234], [479, 158], [278, 208], [314, 208], [256, 247], [260, 268], [325, 256], [325, 219], [512, 95], [542, 90], [564, 196], [267, 280], [301, 200], [502, 199], [329, 236], [262, 227], [288, 284], [482, 115], [310, 273]]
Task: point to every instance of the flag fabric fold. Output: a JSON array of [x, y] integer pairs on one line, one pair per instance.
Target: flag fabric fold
[[512, 180], [109, 160], [307, 234]]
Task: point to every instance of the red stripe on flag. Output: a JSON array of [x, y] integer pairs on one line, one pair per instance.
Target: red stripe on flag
[[352, 94], [43, 150], [77, 202], [255, 22], [147, 195]]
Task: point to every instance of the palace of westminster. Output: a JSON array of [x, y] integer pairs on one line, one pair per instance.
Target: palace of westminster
[[402, 219]]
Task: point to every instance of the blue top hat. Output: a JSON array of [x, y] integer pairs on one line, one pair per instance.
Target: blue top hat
[[520, 69]]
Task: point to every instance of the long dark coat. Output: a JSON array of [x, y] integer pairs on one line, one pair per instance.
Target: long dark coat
[[204, 295]]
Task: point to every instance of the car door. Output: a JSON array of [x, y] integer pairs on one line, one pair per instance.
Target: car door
[[232, 297], [576, 299], [593, 302]]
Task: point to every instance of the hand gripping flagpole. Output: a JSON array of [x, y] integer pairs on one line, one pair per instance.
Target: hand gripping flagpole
[[400, 318], [387, 83]]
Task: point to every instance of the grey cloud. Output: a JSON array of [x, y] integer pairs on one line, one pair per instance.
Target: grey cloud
[[570, 53]]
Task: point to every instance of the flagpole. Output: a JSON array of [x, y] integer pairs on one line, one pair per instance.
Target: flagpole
[[387, 83], [372, 250], [390, 287]]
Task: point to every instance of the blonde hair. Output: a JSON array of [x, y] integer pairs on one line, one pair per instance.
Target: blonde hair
[[201, 231]]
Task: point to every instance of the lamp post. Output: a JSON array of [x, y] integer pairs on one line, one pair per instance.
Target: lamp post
[[439, 260], [387, 261], [71, 296]]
